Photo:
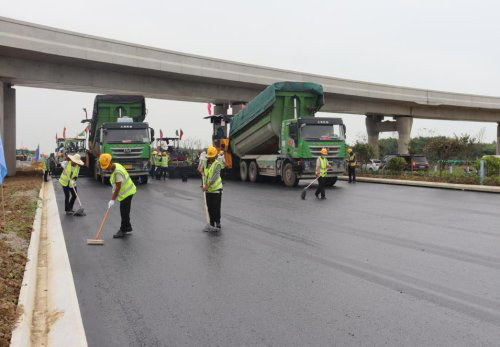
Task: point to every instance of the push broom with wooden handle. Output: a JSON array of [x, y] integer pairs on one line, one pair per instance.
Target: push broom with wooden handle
[[96, 241]]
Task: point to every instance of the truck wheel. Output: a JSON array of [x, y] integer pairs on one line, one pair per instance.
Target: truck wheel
[[243, 170], [253, 172], [97, 177], [330, 181], [289, 177]]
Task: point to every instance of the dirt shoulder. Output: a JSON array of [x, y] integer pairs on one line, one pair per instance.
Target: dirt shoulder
[[21, 197]]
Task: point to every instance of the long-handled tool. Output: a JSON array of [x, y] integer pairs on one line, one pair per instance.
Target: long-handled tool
[[96, 241], [80, 212], [303, 194]]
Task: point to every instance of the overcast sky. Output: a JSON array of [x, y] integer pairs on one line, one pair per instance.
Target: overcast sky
[[436, 44]]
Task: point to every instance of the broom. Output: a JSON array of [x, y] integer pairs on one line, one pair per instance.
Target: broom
[[80, 212], [304, 192], [96, 241]]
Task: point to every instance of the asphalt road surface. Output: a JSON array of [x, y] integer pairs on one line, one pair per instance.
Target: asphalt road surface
[[372, 265]]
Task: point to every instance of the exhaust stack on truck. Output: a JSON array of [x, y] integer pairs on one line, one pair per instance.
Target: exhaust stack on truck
[[278, 135]]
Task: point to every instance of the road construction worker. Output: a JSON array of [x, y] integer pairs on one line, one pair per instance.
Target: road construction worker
[[71, 168], [45, 166], [212, 186], [322, 166], [351, 165], [163, 163], [123, 190], [153, 163]]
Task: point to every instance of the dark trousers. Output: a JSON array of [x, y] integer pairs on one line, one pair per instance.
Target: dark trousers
[[321, 187], [45, 174], [153, 169], [161, 171], [214, 201], [352, 173], [69, 202], [125, 205]]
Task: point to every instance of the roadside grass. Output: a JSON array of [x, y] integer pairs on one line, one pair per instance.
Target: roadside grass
[[21, 201]]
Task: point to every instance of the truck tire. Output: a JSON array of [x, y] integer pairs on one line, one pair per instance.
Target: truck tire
[[243, 170], [330, 181], [97, 177], [253, 172], [289, 176]]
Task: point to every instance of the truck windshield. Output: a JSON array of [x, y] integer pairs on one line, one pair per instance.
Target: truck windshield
[[126, 136], [322, 132]]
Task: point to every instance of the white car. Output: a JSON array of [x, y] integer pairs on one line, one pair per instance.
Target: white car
[[372, 165]]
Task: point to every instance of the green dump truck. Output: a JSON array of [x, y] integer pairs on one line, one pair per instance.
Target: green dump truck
[[278, 135], [117, 127]]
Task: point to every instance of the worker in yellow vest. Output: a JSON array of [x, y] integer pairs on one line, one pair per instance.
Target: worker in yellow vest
[[351, 165], [44, 167], [212, 186], [71, 168], [322, 167], [123, 190], [162, 166], [153, 163]]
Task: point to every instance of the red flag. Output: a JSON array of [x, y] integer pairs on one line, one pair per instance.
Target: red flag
[[209, 109], [64, 133], [182, 133], [161, 134]]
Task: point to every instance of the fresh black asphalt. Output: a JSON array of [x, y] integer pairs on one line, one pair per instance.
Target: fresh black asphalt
[[372, 265]]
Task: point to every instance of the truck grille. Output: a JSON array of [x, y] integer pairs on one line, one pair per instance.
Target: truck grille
[[333, 151], [127, 153]]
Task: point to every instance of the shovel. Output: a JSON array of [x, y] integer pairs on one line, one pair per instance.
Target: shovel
[[96, 241], [304, 192], [80, 212]]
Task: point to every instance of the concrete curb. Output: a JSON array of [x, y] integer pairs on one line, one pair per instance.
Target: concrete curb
[[67, 330], [21, 336], [440, 185]]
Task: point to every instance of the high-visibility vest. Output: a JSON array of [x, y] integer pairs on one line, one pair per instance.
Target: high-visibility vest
[[351, 159], [209, 173], [157, 159], [128, 187], [222, 162], [323, 164], [164, 161], [68, 174], [44, 166]]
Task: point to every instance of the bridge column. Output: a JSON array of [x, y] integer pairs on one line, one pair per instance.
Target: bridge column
[[220, 109], [237, 107], [498, 138], [403, 125], [372, 128], [8, 125]]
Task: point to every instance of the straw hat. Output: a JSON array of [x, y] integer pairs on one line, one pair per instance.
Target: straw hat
[[76, 159]]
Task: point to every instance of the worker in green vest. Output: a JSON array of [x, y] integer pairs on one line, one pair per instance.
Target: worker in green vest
[[351, 165], [163, 163], [123, 190], [322, 166], [71, 168], [44, 167], [212, 186]]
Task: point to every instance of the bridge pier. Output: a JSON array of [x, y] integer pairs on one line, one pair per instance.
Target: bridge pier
[[237, 107], [8, 125], [498, 138], [375, 125]]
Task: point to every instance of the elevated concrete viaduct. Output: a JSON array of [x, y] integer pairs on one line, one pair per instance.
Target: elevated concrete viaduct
[[39, 56]]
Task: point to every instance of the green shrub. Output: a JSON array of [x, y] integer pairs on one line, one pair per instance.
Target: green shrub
[[491, 166], [396, 164]]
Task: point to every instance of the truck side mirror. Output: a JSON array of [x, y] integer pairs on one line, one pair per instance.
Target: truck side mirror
[[152, 134], [343, 126]]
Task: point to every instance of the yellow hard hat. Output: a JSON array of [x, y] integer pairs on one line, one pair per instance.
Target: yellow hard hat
[[155, 152], [105, 160], [164, 153], [349, 150], [324, 151], [211, 152]]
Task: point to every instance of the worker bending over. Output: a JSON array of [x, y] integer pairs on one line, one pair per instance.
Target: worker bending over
[[71, 168], [322, 166], [123, 190], [212, 186], [351, 165]]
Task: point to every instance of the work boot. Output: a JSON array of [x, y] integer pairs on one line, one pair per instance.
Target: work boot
[[127, 231], [70, 213], [119, 235], [316, 195], [218, 227], [207, 228], [323, 198]]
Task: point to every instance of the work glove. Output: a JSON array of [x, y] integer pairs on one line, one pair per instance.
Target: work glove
[[72, 183], [111, 203]]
